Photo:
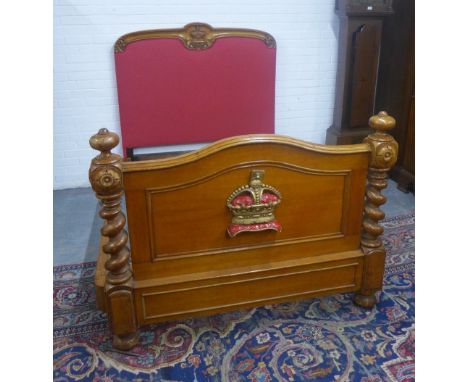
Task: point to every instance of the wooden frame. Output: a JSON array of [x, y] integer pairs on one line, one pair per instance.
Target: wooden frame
[[194, 36], [183, 263]]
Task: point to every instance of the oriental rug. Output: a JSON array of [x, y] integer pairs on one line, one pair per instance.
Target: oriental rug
[[320, 339]]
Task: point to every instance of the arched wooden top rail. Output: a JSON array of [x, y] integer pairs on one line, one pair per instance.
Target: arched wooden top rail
[[243, 140], [195, 36]]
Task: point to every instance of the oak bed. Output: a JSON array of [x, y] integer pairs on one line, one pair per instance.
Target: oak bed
[[245, 221]]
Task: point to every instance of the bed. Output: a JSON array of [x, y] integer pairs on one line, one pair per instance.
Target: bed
[[246, 220]]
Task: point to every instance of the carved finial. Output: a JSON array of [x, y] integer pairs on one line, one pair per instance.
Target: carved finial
[[104, 140], [384, 148], [105, 172], [382, 122]]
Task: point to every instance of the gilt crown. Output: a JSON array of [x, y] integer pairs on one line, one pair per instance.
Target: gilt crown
[[255, 202]]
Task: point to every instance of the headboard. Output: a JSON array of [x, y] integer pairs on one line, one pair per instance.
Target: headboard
[[194, 85]]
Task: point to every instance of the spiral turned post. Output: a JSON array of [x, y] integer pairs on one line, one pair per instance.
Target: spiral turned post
[[105, 175], [384, 153]]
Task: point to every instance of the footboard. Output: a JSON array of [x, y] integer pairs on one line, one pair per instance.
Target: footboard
[[247, 221], [186, 259]]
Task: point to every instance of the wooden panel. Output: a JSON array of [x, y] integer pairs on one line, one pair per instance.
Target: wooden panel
[[357, 69], [174, 301], [177, 206], [205, 229], [366, 47], [251, 256]]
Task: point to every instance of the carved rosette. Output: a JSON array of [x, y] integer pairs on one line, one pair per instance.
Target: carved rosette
[[384, 153], [106, 179]]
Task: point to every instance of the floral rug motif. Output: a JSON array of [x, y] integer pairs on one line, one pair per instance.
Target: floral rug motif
[[320, 339]]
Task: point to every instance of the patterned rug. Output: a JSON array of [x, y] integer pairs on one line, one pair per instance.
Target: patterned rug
[[321, 339]]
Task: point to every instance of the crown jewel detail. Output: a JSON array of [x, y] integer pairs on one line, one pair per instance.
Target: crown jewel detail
[[252, 206]]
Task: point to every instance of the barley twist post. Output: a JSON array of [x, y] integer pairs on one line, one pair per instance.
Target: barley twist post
[[384, 153], [105, 175]]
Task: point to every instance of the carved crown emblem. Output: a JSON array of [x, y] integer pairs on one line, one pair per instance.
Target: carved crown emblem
[[199, 36], [197, 32], [252, 206]]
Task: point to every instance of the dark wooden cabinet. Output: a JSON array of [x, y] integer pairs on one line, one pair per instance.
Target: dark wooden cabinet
[[361, 23], [395, 87], [376, 72]]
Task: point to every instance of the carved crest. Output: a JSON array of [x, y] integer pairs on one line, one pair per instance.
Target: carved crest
[[199, 36], [252, 206], [195, 36]]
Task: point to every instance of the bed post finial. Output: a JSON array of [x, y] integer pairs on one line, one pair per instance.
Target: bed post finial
[[384, 153], [105, 176]]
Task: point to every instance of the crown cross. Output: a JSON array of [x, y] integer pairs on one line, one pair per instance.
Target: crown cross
[[197, 33]]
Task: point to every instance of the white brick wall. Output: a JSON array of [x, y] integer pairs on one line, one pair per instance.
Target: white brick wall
[[85, 96]]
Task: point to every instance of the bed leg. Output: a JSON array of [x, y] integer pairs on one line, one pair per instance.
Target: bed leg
[[105, 175], [365, 301], [384, 153], [372, 277]]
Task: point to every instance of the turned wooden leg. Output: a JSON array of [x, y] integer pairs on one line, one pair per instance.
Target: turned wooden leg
[[125, 342], [105, 175], [372, 277], [123, 320], [384, 153], [366, 301]]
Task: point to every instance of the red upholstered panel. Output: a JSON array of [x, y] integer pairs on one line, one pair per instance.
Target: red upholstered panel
[[169, 94]]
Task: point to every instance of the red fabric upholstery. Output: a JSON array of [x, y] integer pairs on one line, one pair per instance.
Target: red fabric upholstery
[[246, 199], [235, 229], [172, 95]]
